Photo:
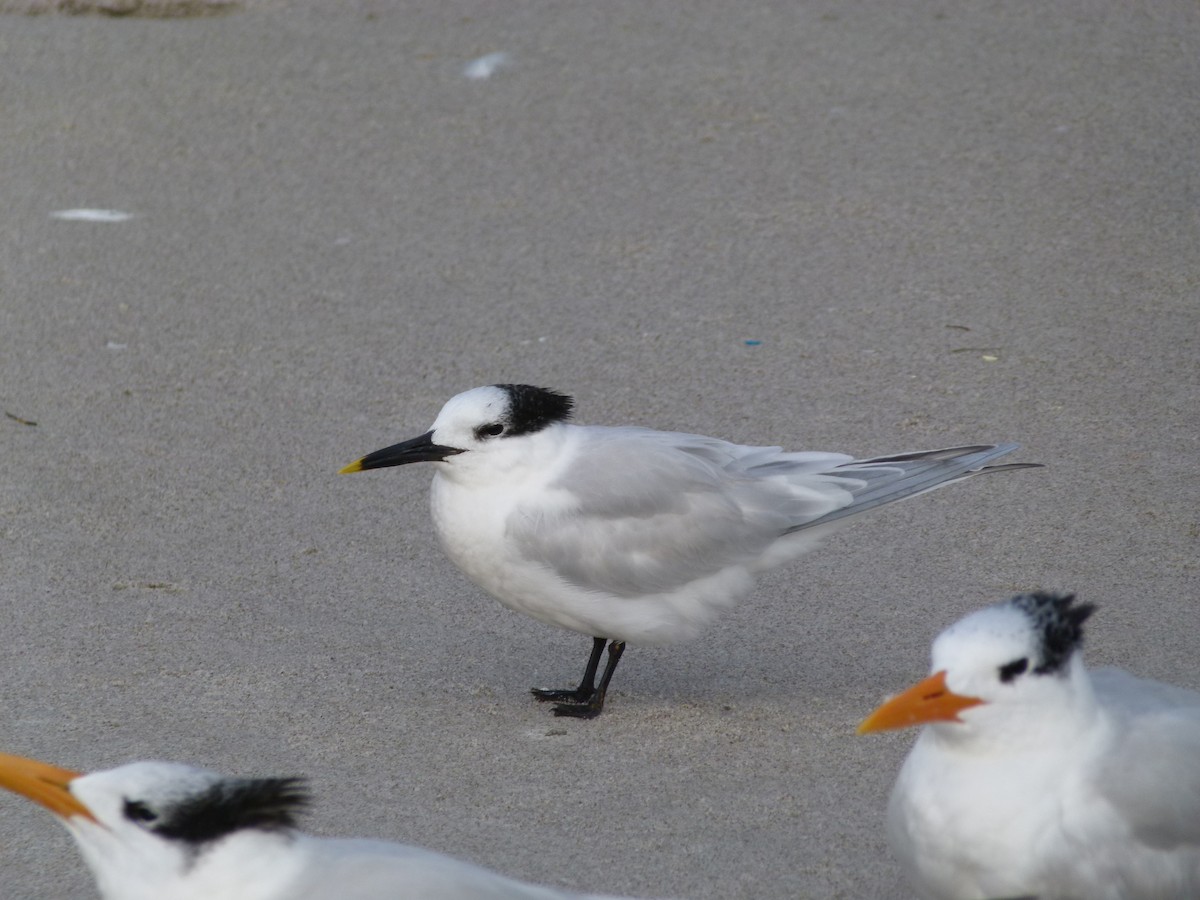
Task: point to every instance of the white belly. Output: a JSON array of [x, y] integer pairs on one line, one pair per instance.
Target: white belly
[[472, 527], [1018, 826]]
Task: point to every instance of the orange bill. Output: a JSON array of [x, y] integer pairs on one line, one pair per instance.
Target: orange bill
[[926, 701], [42, 783]]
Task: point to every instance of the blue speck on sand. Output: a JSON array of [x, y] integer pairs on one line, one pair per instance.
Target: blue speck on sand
[[752, 343]]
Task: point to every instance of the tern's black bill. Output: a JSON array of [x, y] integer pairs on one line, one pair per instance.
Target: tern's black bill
[[419, 449]]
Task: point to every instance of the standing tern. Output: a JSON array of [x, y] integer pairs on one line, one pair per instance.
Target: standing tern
[[1037, 777], [167, 831], [632, 534]]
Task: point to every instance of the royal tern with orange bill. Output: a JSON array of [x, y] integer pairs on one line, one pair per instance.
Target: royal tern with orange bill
[[1034, 776], [167, 831]]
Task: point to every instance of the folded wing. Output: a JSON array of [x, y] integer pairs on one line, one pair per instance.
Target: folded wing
[[647, 512]]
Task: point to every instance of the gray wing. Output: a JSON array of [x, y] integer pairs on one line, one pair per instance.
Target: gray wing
[[1153, 776], [887, 479], [649, 511], [376, 870]]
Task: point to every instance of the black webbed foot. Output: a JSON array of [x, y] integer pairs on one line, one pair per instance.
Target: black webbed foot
[[587, 700], [588, 710], [567, 695]]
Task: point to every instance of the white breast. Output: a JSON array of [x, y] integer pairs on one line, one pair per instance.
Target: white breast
[[472, 523]]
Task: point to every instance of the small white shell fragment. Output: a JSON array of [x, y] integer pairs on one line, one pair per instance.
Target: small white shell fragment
[[92, 215], [485, 66]]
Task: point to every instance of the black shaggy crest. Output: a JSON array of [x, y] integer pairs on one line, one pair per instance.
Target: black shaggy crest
[[1058, 624], [233, 804], [532, 408]]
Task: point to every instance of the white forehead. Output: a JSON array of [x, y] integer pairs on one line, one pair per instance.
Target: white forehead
[[143, 781], [476, 406], [987, 638]]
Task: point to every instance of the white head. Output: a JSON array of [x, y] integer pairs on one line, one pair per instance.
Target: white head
[[147, 829], [1006, 668], [483, 420]]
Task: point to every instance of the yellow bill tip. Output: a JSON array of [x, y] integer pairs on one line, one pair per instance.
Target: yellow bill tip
[[355, 466]]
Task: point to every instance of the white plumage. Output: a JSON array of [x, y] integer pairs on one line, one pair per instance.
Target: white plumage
[[1036, 777], [633, 534], [166, 831]]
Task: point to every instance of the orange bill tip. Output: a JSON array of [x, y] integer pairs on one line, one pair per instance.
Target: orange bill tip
[[927, 701], [42, 783]]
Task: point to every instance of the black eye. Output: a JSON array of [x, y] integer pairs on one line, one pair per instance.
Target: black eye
[[489, 430], [1011, 670], [136, 811]]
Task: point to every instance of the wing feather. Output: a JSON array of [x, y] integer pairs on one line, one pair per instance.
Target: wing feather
[[643, 511], [650, 511], [1153, 776]]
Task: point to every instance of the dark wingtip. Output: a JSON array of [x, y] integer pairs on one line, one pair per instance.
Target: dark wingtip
[[1009, 467]]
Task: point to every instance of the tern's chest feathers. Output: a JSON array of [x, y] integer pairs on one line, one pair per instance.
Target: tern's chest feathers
[[474, 526], [966, 832]]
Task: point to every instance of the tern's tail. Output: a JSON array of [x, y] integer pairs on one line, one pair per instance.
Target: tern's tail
[[887, 479]]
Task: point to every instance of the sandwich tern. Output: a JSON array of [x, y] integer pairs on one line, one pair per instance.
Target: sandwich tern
[[631, 534]]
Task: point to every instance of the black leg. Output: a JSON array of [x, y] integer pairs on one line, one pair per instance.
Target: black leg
[[587, 687], [592, 707]]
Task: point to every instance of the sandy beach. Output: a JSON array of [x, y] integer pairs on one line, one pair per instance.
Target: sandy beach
[[239, 251]]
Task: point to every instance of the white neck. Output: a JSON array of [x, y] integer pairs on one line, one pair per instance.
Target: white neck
[[247, 865]]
